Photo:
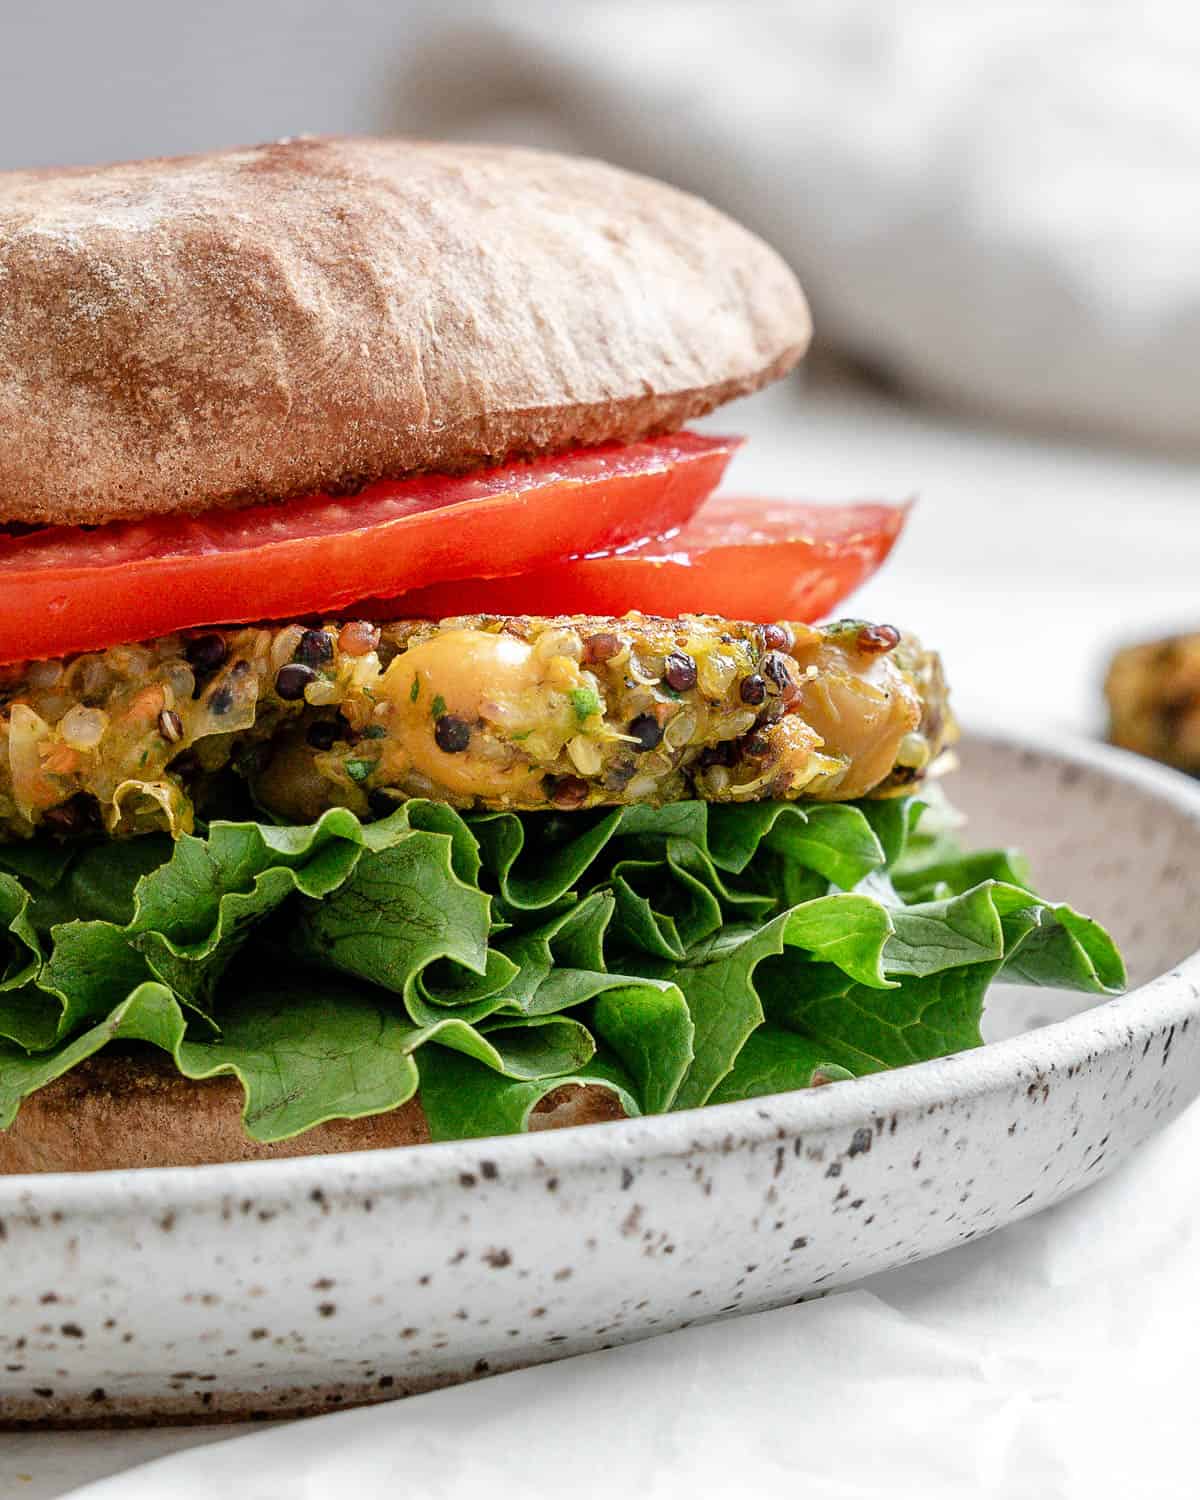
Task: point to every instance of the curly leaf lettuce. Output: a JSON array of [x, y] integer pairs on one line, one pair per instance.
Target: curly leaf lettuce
[[672, 956]]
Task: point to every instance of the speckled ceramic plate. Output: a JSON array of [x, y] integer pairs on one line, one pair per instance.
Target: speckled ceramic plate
[[284, 1287]]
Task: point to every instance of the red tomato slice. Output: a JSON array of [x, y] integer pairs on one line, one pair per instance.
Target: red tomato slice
[[744, 559], [68, 588]]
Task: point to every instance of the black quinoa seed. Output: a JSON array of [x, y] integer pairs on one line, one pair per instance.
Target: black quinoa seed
[[724, 754], [753, 689], [221, 701], [680, 672], [170, 726], [314, 649], [324, 734], [647, 731], [452, 734], [290, 681], [777, 669], [206, 652]]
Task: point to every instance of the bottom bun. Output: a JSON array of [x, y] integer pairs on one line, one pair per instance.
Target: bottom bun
[[119, 1110]]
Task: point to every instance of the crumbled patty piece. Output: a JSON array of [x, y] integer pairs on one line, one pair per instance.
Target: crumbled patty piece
[[519, 713], [1153, 693]]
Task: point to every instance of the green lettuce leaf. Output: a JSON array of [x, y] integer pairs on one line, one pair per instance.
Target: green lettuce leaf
[[462, 1099], [866, 1030], [671, 956], [775, 1060]]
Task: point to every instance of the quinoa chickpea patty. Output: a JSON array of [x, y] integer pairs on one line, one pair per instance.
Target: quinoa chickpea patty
[[392, 395], [520, 713], [1153, 693]]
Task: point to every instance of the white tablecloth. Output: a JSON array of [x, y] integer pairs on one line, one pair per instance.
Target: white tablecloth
[[1053, 1359]]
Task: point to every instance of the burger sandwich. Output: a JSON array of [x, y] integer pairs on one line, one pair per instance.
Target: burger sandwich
[[398, 740]]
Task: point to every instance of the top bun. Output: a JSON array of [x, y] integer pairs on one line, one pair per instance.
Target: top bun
[[317, 314]]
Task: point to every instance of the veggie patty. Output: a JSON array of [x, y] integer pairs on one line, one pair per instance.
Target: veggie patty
[[506, 713], [1153, 693]]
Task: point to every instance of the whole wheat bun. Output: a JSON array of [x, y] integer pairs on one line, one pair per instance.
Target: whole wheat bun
[[319, 313], [134, 1110]]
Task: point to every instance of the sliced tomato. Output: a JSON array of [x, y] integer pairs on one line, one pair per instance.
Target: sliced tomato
[[745, 559], [70, 588]]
